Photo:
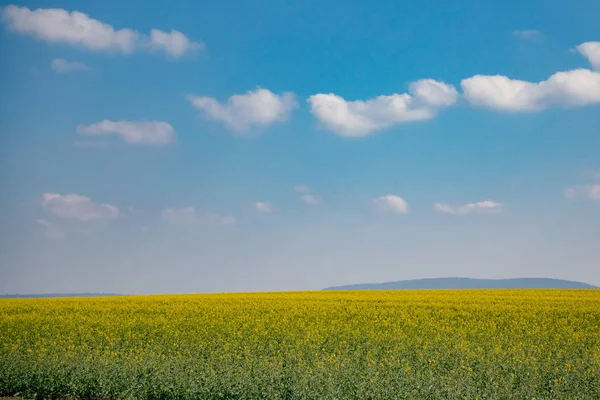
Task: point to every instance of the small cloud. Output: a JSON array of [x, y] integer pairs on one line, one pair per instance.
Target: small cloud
[[391, 204], [307, 196], [263, 207], [61, 65], [80, 208], [242, 111], [481, 207], [51, 229], [152, 133], [527, 34], [583, 192]]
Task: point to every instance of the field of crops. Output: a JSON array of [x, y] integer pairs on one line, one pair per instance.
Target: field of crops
[[486, 344]]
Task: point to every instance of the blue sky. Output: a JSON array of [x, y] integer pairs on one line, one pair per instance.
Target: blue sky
[[149, 147]]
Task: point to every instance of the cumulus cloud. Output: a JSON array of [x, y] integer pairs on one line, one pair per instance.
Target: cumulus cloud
[[62, 65], [573, 88], [391, 204], [527, 33], [307, 196], [189, 216], [359, 118], [263, 206], [153, 133], [76, 207], [75, 28], [583, 192], [51, 229], [481, 207], [591, 50], [255, 108]]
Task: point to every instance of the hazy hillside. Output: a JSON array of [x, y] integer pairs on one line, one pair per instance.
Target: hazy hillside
[[50, 295], [469, 283]]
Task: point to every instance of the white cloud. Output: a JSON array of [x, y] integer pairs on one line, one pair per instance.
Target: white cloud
[[481, 207], [307, 196], [188, 216], [527, 33], [81, 208], [51, 229], [586, 192], [391, 203], [62, 65], [260, 108], [591, 50], [361, 117], [263, 206], [154, 133], [573, 88], [174, 44], [75, 28]]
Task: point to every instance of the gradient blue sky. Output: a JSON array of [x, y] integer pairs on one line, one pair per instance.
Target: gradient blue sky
[[181, 215]]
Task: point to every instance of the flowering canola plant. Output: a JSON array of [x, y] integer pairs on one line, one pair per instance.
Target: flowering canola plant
[[439, 344]]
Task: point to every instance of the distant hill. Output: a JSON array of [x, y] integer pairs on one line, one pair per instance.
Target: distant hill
[[469, 283], [52, 295]]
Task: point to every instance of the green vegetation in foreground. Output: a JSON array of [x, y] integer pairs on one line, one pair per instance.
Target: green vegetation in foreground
[[480, 344]]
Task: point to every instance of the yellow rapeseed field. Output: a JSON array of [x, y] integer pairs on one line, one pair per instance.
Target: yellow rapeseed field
[[461, 344]]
